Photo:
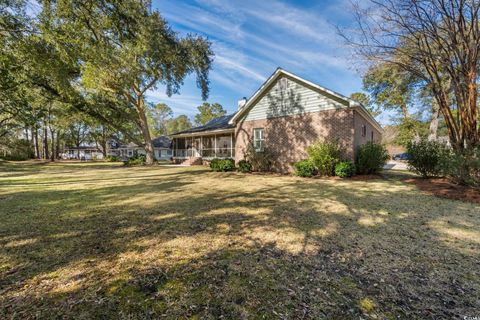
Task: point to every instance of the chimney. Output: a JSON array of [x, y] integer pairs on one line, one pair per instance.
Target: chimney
[[241, 103]]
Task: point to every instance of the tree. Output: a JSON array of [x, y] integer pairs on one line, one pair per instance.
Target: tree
[[208, 112], [435, 41], [366, 102], [178, 124], [145, 54], [390, 88], [102, 58], [159, 115]]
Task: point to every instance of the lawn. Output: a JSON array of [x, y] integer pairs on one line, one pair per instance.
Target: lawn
[[104, 241]]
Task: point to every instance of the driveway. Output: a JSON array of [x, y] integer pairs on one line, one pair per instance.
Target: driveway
[[396, 165]]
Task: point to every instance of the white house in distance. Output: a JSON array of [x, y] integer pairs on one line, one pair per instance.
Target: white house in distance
[[162, 149]]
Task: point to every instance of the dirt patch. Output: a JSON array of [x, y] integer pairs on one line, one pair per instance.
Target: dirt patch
[[444, 188]]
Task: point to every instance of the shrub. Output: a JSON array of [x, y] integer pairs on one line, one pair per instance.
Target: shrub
[[112, 159], [371, 157], [136, 160], [15, 157], [304, 168], [345, 169], [222, 165], [462, 167], [260, 160], [426, 157], [244, 166], [325, 156]]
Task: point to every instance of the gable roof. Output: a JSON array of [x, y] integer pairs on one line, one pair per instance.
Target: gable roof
[[220, 123], [162, 142], [277, 74], [158, 142]]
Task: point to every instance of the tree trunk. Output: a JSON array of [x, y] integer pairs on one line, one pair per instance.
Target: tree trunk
[[145, 131], [104, 142], [45, 143], [52, 135], [57, 145], [35, 143], [432, 133]]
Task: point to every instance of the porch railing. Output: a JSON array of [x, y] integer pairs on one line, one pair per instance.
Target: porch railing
[[204, 153]]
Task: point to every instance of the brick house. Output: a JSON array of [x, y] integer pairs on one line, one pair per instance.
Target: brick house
[[287, 114]]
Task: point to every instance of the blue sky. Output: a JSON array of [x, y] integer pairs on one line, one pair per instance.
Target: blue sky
[[252, 38]]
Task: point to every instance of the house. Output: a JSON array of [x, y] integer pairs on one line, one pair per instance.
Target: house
[[161, 146], [84, 152], [286, 114]]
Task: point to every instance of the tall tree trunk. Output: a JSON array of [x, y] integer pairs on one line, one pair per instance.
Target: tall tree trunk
[[35, 143], [32, 142], [52, 135], [104, 142], [45, 143], [432, 132], [57, 145], [145, 131]]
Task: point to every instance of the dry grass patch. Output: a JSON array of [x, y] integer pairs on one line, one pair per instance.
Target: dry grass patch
[[104, 241]]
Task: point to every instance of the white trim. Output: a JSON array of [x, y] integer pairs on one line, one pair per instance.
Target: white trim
[[351, 103]]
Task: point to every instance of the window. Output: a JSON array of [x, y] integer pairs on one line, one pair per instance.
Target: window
[[364, 130], [258, 139], [371, 135]]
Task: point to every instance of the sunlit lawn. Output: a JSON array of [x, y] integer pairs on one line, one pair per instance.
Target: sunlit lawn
[[106, 241]]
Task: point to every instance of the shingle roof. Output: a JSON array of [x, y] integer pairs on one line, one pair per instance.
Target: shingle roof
[[215, 124], [158, 142], [162, 142]]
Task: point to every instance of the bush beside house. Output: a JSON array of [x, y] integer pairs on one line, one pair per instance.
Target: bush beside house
[[222, 165], [345, 169], [304, 168], [370, 158], [325, 156], [326, 159], [244, 166]]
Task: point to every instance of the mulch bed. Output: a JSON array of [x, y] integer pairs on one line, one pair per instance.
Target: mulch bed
[[443, 188]]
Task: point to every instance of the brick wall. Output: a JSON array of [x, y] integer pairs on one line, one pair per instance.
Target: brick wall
[[287, 137], [359, 122]]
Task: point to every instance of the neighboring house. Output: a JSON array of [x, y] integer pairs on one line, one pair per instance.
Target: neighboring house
[[162, 148], [286, 114], [82, 153]]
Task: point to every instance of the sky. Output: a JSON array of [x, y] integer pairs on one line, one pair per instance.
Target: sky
[[251, 39]]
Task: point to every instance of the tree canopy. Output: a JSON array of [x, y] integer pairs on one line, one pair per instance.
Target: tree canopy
[[98, 58], [434, 41], [208, 112]]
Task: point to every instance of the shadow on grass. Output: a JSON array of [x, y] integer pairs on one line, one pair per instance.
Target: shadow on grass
[[192, 243]]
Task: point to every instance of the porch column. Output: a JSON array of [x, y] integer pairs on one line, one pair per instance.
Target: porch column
[[201, 146], [231, 145], [215, 152]]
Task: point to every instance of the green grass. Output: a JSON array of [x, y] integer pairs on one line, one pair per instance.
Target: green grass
[[99, 240]]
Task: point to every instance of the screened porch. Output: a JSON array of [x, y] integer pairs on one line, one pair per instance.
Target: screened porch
[[205, 146]]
